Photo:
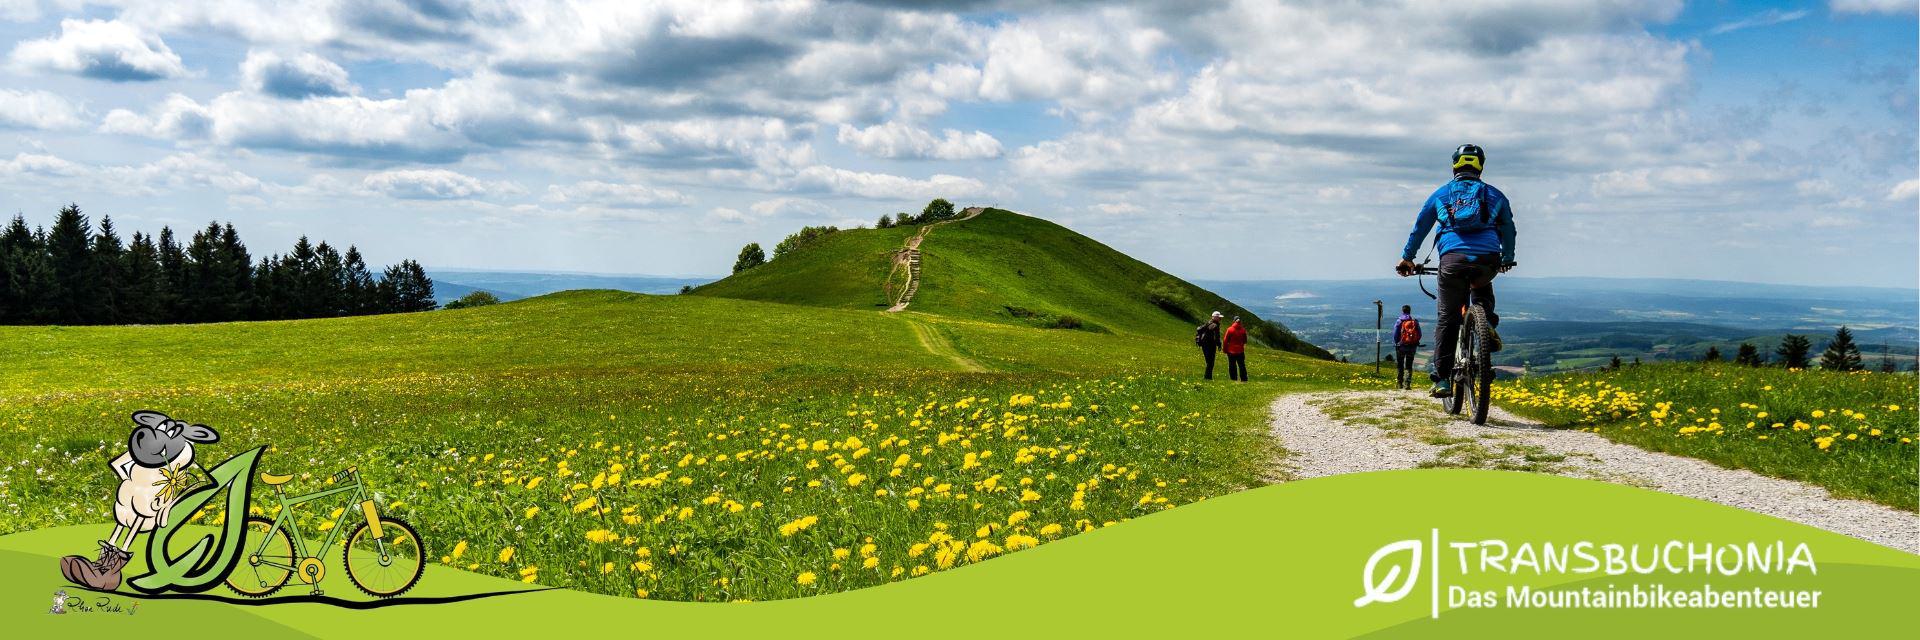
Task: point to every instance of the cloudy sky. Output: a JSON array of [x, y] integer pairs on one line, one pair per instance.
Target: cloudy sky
[[1752, 141]]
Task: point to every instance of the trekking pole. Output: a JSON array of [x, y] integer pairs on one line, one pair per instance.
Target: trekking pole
[[1379, 313]]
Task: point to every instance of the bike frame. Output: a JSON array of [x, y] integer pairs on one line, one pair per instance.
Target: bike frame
[[285, 519]]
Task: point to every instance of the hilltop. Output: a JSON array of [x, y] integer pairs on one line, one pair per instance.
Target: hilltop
[[1000, 267]]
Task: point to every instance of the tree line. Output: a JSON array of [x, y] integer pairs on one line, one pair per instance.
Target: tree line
[[1796, 352], [75, 273], [753, 256]]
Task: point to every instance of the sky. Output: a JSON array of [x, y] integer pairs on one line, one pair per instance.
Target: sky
[[1752, 141]]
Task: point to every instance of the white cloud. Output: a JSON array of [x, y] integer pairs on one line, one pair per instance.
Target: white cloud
[[614, 195], [866, 184], [1906, 189], [727, 215], [301, 76], [173, 173], [1872, 6], [37, 110], [176, 118], [434, 184], [794, 207], [900, 140], [103, 50], [40, 164]]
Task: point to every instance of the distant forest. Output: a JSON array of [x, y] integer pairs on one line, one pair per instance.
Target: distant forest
[[75, 274]]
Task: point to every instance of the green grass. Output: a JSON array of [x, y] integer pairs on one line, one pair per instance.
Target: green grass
[[681, 417], [1852, 433], [999, 267], [844, 270]]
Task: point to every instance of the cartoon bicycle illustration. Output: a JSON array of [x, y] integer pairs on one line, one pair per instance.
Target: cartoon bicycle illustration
[[383, 555]]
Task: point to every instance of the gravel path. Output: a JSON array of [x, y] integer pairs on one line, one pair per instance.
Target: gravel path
[[1333, 433]]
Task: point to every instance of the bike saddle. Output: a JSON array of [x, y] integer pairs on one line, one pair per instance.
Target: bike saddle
[[273, 480]]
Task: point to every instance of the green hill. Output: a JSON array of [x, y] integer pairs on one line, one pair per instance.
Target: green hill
[[1000, 267]]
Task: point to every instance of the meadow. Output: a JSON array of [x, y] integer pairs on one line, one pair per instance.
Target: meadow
[[1852, 433], [681, 447]]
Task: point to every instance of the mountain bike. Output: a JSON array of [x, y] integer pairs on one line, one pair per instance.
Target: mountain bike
[[1473, 353], [383, 555]]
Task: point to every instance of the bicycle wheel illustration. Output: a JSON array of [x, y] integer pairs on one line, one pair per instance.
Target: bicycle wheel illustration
[[387, 565], [269, 562]]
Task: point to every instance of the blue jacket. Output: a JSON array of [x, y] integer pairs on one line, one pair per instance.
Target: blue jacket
[[1496, 239]]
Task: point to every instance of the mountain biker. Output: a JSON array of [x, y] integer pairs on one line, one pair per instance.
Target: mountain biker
[[1406, 340], [1475, 242], [1208, 337]]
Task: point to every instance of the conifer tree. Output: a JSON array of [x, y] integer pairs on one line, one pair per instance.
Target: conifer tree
[[68, 255], [142, 291], [1713, 354], [1841, 354], [1748, 356], [1793, 351], [107, 264]]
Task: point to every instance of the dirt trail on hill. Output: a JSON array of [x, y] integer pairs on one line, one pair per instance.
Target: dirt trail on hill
[[938, 345], [909, 258], [1332, 433]]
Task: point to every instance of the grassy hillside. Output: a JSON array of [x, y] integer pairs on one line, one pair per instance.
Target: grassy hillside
[[842, 270], [1000, 267], [663, 446], [1853, 433]]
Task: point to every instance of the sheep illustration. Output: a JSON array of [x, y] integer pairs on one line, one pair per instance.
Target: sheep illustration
[[156, 469], [60, 601]]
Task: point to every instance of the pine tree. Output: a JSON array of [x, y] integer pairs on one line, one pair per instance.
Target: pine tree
[[422, 288], [1748, 355], [236, 266], [142, 302], [72, 297], [359, 287], [173, 277], [1841, 354], [1886, 359], [107, 265], [300, 272], [332, 282], [1614, 364], [17, 249], [750, 256], [1713, 354], [1793, 351]]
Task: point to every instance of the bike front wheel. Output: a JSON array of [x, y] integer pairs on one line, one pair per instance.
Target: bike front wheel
[[1479, 366], [387, 565]]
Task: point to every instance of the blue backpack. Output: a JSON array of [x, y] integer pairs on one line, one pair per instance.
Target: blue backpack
[[1461, 206]]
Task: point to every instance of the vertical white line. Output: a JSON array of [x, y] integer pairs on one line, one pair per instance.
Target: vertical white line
[[1433, 558]]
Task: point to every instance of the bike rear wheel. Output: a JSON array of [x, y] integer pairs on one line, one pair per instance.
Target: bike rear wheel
[[1479, 369], [269, 562]]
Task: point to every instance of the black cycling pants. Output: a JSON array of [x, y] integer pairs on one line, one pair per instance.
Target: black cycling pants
[[1459, 272]]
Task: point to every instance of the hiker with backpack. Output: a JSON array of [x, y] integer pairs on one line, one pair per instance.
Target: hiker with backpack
[[1406, 340], [1475, 242], [1235, 344], [1208, 337]]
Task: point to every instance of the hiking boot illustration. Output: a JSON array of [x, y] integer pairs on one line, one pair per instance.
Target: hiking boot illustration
[[102, 574]]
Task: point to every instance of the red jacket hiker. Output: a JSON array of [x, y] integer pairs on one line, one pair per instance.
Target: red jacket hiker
[[1236, 340]]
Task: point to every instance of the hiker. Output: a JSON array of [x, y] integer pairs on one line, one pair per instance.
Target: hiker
[[1406, 339], [1235, 344], [1208, 337], [1475, 242]]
